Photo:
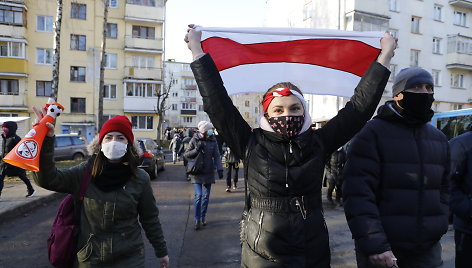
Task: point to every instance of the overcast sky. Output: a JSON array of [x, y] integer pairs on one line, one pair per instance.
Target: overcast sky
[[207, 13]]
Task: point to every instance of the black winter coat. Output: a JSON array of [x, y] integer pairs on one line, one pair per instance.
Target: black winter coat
[[9, 142], [396, 185], [461, 182], [211, 158], [280, 168]]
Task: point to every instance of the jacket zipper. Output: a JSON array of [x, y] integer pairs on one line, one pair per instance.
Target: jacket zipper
[[286, 167], [421, 177], [290, 147], [256, 241]]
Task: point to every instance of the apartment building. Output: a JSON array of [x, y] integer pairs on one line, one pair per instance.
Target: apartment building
[[433, 34], [249, 106], [184, 105], [133, 74]]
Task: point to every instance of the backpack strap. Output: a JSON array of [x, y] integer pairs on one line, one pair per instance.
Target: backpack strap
[[249, 147], [85, 183]]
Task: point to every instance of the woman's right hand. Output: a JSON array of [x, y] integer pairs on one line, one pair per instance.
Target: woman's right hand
[[41, 114], [193, 38]]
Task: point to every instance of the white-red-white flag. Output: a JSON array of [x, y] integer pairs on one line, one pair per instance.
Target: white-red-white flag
[[327, 62]]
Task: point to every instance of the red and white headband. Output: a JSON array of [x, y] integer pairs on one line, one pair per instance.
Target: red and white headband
[[279, 92]]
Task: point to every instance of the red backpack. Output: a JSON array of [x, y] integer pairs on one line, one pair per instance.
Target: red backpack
[[62, 242]]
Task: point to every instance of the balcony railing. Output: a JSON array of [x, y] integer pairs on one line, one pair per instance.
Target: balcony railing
[[188, 112], [144, 13], [459, 52], [12, 65], [153, 45], [461, 3], [143, 73], [189, 87]]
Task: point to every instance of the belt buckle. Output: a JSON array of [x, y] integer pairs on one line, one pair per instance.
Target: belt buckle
[[297, 204]]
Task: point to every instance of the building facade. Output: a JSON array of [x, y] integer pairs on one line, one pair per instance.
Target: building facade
[[184, 107], [433, 34], [133, 74]]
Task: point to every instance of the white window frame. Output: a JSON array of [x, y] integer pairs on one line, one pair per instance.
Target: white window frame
[[415, 24], [108, 89], [144, 62], [457, 80], [9, 86], [47, 56], [111, 60], [138, 125], [47, 22], [109, 32], [436, 77], [460, 18], [187, 119], [10, 49], [78, 69], [173, 107], [414, 57], [45, 84], [437, 12], [437, 45], [141, 90], [393, 5]]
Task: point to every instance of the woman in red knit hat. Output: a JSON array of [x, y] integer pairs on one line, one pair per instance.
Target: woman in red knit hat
[[118, 195]]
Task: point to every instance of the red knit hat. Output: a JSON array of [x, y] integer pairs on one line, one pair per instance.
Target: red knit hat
[[118, 123]]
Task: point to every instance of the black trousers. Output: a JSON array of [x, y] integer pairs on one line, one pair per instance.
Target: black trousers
[[463, 249], [230, 167], [21, 174]]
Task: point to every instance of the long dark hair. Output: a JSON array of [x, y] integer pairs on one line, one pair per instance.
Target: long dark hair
[[131, 158]]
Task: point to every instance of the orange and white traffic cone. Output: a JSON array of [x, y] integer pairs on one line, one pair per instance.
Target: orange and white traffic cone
[[26, 153]]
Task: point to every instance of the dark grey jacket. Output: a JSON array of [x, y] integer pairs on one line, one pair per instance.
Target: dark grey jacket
[[285, 239], [211, 158]]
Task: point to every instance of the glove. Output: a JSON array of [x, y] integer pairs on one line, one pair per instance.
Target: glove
[[220, 174]]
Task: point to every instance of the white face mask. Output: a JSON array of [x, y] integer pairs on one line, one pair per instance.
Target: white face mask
[[114, 150]]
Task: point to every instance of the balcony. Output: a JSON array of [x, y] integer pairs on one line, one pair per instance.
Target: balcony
[[144, 13], [459, 52], [13, 67], [189, 87], [188, 99], [139, 104], [461, 3], [188, 112], [459, 61], [143, 73], [18, 32], [153, 46]]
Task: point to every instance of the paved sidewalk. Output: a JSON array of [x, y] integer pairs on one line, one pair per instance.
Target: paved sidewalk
[[13, 202]]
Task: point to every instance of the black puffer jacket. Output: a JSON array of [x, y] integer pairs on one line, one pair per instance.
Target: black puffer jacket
[[286, 168], [9, 142], [461, 182], [396, 184]]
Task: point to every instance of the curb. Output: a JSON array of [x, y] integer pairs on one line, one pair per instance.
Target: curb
[[23, 209]]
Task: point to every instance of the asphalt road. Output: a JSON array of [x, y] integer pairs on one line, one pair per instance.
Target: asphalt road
[[23, 240]]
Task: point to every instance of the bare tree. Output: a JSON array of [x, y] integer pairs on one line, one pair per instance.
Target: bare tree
[[161, 107], [57, 51], [102, 65]]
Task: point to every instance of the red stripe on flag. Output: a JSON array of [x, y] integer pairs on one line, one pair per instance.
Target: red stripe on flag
[[346, 55]]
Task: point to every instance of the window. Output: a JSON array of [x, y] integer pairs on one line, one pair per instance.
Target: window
[[77, 105], [77, 42], [307, 11], [394, 33], [142, 122], [142, 89], [77, 74], [175, 94], [186, 67], [459, 44], [188, 106], [143, 61], [12, 49], [187, 119], [107, 117], [456, 106], [44, 24], [393, 72], [457, 80], [142, 2], [43, 88], [78, 11], [436, 77], [415, 24], [393, 5], [143, 32], [110, 61], [246, 103], [437, 13], [175, 81], [174, 107], [112, 30], [436, 45], [460, 18], [364, 22], [109, 91], [11, 15], [44, 56], [414, 57], [113, 3], [200, 107], [9, 87]]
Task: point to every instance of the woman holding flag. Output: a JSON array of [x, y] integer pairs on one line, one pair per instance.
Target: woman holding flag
[[285, 158]]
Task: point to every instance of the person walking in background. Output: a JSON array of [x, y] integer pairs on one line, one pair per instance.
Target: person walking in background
[[285, 226], [10, 140], [204, 143], [396, 180], [231, 161], [333, 175], [184, 147], [174, 147], [118, 201], [461, 196]]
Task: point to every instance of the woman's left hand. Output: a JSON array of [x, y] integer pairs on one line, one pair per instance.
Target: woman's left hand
[[164, 262]]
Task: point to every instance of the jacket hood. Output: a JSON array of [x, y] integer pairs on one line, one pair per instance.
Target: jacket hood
[[94, 147], [12, 127]]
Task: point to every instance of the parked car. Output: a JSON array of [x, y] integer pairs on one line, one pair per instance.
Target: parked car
[[70, 147], [151, 159]]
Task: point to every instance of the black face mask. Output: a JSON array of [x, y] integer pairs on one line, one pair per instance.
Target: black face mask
[[289, 126], [417, 105]]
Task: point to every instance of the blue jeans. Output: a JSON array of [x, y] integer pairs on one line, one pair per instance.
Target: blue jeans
[[202, 197]]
